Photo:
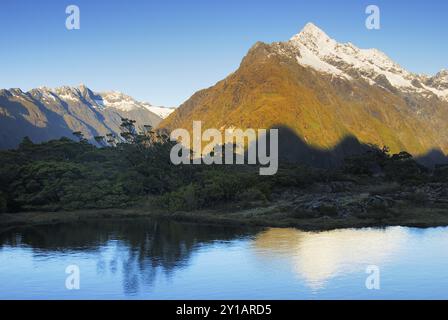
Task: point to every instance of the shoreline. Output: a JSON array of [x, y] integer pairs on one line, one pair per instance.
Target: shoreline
[[265, 217]]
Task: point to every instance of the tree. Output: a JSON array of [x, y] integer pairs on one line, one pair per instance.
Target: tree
[[100, 140], [80, 136], [26, 143], [403, 155], [368, 163], [128, 131], [111, 139]]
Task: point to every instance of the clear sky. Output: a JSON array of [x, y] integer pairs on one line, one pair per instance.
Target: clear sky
[[162, 51]]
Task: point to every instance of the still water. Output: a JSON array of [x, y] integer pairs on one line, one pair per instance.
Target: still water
[[144, 259]]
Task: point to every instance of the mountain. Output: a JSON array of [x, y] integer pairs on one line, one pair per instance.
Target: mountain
[[126, 103], [44, 114], [324, 54], [326, 96], [162, 112]]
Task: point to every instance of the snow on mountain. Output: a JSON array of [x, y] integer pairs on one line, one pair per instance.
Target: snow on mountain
[[44, 113], [126, 103], [103, 100], [119, 101], [325, 96], [83, 95], [162, 112], [315, 49], [439, 81]]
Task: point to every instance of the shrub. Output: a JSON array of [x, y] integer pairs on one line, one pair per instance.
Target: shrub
[[252, 194], [405, 170], [3, 203], [183, 199], [441, 173]]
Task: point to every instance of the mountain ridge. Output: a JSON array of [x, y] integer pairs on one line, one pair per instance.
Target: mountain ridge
[[306, 85], [43, 113], [346, 58]]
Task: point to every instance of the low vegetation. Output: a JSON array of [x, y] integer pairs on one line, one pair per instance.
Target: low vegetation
[[135, 169]]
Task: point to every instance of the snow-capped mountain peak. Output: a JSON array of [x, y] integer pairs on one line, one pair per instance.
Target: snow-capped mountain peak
[[118, 100], [121, 101], [313, 37], [82, 95], [440, 80], [443, 74], [314, 48], [162, 112]]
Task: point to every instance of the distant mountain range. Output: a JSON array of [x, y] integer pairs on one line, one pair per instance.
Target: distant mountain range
[[328, 97], [43, 114]]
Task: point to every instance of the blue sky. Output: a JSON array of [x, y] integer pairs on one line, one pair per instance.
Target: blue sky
[[163, 51]]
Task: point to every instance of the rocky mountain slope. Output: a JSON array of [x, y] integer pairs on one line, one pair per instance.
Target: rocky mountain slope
[[44, 114], [328, 97]]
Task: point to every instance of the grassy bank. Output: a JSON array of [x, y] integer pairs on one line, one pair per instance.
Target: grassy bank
[[273, 215]]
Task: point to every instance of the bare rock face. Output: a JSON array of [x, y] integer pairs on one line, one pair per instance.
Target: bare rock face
[[330, 98], [439, 81]]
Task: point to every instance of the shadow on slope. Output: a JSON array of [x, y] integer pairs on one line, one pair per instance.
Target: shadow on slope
[[433, 157], [292, 149], [16, 126]]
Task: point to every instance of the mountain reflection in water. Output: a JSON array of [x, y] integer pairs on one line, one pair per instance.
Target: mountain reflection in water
[[148, 259], [319, 256], [141, 249]]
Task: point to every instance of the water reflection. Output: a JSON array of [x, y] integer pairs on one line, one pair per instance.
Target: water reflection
[[318, 257], [144, 259], [140, 249]]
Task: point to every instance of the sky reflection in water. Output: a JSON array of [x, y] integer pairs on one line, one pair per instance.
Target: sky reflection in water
[[146, 259]]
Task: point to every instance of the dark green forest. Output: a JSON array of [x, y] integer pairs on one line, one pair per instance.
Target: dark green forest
[[65, 174]]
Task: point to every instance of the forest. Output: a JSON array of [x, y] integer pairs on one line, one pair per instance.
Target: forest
[[126, 171]]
